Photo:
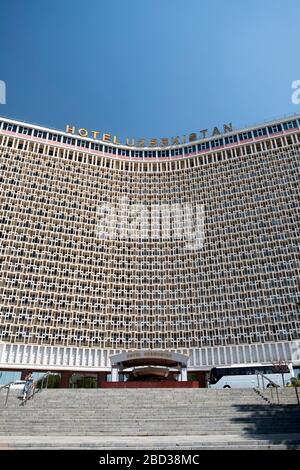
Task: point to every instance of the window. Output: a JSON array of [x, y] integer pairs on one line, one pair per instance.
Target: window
[[176, 151], [97, 147], [54, 137], [9, 127], [217, 143], [40, 134], [124, 152], [190, 149], [275, 129], [260, 132], [24, 130], [69, 140], [163, 153], [149, 153], [289, 125], [245, 135], [83, 143], [230, 139], [111, 150], [203, 146]]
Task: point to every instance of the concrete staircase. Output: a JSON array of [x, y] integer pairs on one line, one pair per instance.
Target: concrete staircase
[[151, 419]]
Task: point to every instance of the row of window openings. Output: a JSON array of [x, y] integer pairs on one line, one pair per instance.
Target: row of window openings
[[188, 151], [206, 159], [274, 129], [137, 188], [143, 179]]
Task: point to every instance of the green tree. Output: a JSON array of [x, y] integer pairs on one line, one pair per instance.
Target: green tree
[[296, 381]]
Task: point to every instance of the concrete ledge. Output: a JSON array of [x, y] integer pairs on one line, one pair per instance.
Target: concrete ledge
[[152, 384], [264, 441]]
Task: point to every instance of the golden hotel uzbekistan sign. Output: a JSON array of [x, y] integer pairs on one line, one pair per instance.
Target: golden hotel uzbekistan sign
[[152, 142]]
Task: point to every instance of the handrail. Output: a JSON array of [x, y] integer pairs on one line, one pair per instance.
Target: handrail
[[265, 377], [274, 385], [8, 386], [258, 373], [8, 390], [45, 376], [35, 389]]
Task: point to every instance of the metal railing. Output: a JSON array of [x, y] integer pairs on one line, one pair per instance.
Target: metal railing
[[37, 389], [2, 387], [271, 384], [42, 379]]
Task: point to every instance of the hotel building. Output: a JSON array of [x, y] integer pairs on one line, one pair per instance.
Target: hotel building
[[191, 249]]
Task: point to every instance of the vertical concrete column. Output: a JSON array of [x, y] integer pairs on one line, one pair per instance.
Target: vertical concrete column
[[65, 379], [114, 374], [101, 377], [183, 374]]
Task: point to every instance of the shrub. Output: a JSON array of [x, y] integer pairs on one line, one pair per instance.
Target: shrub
[[86, 382]]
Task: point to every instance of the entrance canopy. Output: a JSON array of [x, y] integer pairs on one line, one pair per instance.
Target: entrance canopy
[[136, 359], [149, 358], [150, 371]]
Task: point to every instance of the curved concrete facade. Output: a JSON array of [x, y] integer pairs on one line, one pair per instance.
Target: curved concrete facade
[[106, 252]]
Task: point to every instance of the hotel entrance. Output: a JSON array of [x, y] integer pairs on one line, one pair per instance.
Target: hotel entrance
[[151, 368]]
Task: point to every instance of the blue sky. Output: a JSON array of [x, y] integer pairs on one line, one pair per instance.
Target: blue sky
[[155, 68]]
